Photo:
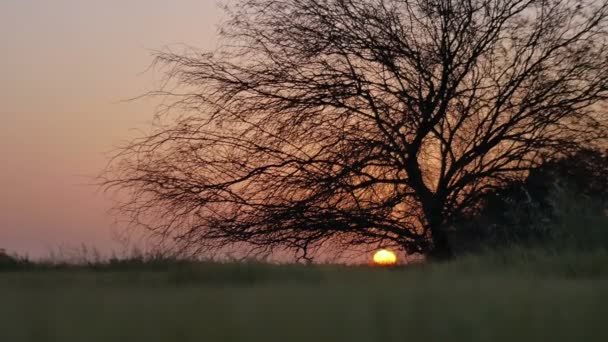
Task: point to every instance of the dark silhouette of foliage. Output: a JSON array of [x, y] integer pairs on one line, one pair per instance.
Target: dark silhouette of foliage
[[584, 172], [526, 211], [362, 122], [10, 262]]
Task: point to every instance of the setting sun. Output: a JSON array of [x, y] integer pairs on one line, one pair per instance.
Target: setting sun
[[385, 257]]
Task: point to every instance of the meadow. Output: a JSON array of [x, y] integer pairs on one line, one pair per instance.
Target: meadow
[[519, 294], [553, 289]]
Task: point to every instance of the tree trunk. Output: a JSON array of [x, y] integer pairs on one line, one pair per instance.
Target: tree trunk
[[441, 249]]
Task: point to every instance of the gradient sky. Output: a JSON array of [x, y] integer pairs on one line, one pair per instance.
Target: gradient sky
[[65, 66]]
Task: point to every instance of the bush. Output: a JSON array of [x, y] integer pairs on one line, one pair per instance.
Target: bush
[[9, 262], [561, 203]]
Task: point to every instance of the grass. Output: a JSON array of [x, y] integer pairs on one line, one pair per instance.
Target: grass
[[511, 295], [553, 291]]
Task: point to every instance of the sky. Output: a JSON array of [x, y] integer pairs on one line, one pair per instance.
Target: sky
[[66, 69]]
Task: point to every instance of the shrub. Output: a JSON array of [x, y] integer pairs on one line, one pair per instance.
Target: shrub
[[10, 262], [561, 203]]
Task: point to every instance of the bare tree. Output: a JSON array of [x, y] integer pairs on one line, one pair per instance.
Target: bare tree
[[363, 122]]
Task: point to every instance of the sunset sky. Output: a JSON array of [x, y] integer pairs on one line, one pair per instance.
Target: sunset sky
[[66, 66]]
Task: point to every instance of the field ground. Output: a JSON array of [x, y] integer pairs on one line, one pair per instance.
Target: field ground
[[512, 296]]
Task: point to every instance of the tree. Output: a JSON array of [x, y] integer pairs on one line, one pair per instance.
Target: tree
[[363, 122]]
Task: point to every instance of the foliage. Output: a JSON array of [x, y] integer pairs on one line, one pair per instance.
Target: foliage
[[562, 202]]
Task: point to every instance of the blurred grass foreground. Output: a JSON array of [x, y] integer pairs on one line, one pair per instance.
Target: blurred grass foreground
[[514, 295], [552, 286]]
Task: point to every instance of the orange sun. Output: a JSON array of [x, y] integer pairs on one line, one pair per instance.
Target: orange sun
[[385, 257]]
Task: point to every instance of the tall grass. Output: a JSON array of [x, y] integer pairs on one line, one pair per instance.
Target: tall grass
[[510, 295], [472, 299], [554, 289]]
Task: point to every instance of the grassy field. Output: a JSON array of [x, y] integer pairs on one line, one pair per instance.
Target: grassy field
[[519, 295]]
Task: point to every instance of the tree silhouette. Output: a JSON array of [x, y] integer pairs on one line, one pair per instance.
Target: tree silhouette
[[363, 122]]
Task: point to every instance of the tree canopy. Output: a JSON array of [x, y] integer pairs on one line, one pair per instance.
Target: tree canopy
[[363, 122]]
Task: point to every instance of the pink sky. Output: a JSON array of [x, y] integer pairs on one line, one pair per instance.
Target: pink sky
[[65, 67]]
